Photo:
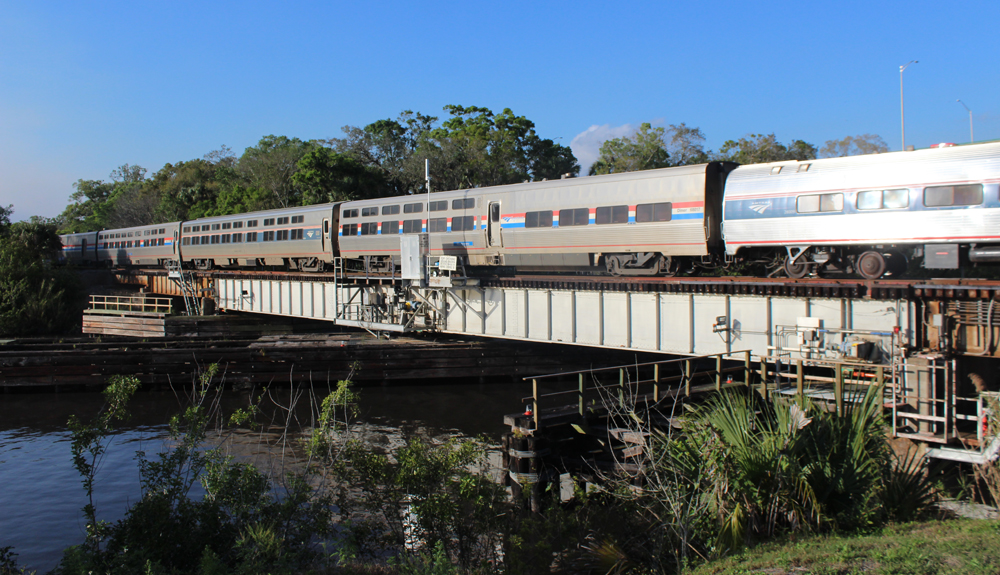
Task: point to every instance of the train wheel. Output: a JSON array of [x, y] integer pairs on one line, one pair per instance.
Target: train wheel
[[870, 265], [797, 269]]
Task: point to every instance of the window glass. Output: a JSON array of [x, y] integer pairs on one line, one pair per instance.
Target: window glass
[[251, 236], [215, 226], [439, 206], [268, 221], [237, 225], [282, 221], [576, 217], [251, 223], [215, 239], [366, 212], [390, 227], [390, 210], [161, 241], [268, 236], [298, 219], [225, 238], [227, 225], [282, 235], [538, 219], [611, 215], [437, 225], [807, 204], [237, 238], [186, 242], [966, 195], [369, 228], [831, 203], [463, 223], [870, 200], [463, 204], [412, 208], [413, 226], [349, 213], [350, 229], [297, 234]]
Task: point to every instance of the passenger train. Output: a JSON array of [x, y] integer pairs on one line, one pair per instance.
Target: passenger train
[[867, 215]]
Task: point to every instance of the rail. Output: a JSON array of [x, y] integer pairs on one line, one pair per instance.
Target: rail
[[133, 304], [633, 377]]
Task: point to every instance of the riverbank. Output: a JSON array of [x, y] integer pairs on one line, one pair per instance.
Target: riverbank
[[959, 546]]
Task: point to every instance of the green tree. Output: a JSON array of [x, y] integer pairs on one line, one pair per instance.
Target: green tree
[[82, 213], [326, 176], [270, 165], [761, 149], [644, 150], [387, 146], [854, 146], [35, 297], [190, 189], [685, 145]]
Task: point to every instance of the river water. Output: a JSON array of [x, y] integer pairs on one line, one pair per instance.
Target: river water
[[41, 494]]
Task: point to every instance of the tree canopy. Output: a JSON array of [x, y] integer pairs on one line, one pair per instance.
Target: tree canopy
[[761, 149], [854, 146]]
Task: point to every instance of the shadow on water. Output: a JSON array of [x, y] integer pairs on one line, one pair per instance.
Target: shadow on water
[[41, 493]]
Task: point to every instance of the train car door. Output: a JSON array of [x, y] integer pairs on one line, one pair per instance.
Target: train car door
[[175, 240], [493, 226], [83, 251], [325, 236]]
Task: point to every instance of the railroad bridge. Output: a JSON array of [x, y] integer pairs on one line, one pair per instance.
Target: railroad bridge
[[932, 344]]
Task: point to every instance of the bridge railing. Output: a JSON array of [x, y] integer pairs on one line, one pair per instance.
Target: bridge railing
[[651, 380], [131, 304]]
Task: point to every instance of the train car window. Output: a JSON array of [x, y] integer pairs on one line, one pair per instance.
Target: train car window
[[251, 236], [367, 212], [413, 226], [225, 238], [831, 202], [129, 244], [538, 219], [437, 225], [282, 235], [298, 219], [350, 229], [463, 204], [390, 227], [390, 210], [495, 212], [237, 225], [576, 217], [883, 199], [251, 223], [412, 208], [463, 223], [268, 221], [163, 230], [267, 236], [297, 234], [438, 206], [349, 213], [813, 203], [215, 239], [227, 226], [611, 215], [369, 228], [282, 221], [967, 195], [215, 226], [130, 235]]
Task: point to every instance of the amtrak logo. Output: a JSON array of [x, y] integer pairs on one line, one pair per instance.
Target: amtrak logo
[[310, 234], [759, 208]]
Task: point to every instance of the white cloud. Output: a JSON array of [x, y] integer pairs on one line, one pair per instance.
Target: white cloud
[[586, 145]]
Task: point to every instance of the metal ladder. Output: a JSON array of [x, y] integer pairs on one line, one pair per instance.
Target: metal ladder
[[185, 282]]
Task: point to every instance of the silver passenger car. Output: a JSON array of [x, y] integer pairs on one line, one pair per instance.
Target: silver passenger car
[[868, 214], [298, 238], [79, 249], [635, 223], [139, 245]]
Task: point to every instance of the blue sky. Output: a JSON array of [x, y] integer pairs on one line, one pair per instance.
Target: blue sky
[[84, 89]]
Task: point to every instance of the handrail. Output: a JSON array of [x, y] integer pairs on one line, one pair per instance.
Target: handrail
[[144, 304]]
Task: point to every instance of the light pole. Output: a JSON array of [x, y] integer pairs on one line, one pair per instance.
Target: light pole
[[971, 139], [902, 117]]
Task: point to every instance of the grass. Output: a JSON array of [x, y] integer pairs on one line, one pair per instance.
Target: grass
[[965, 546]]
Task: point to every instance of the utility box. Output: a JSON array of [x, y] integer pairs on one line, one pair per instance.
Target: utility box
[[941, 256], [413, 254]]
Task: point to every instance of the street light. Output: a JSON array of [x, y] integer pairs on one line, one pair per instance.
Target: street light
[[971, 139], [902, 118]]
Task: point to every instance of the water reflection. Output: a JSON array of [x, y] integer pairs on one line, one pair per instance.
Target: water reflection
[[42, 493]]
